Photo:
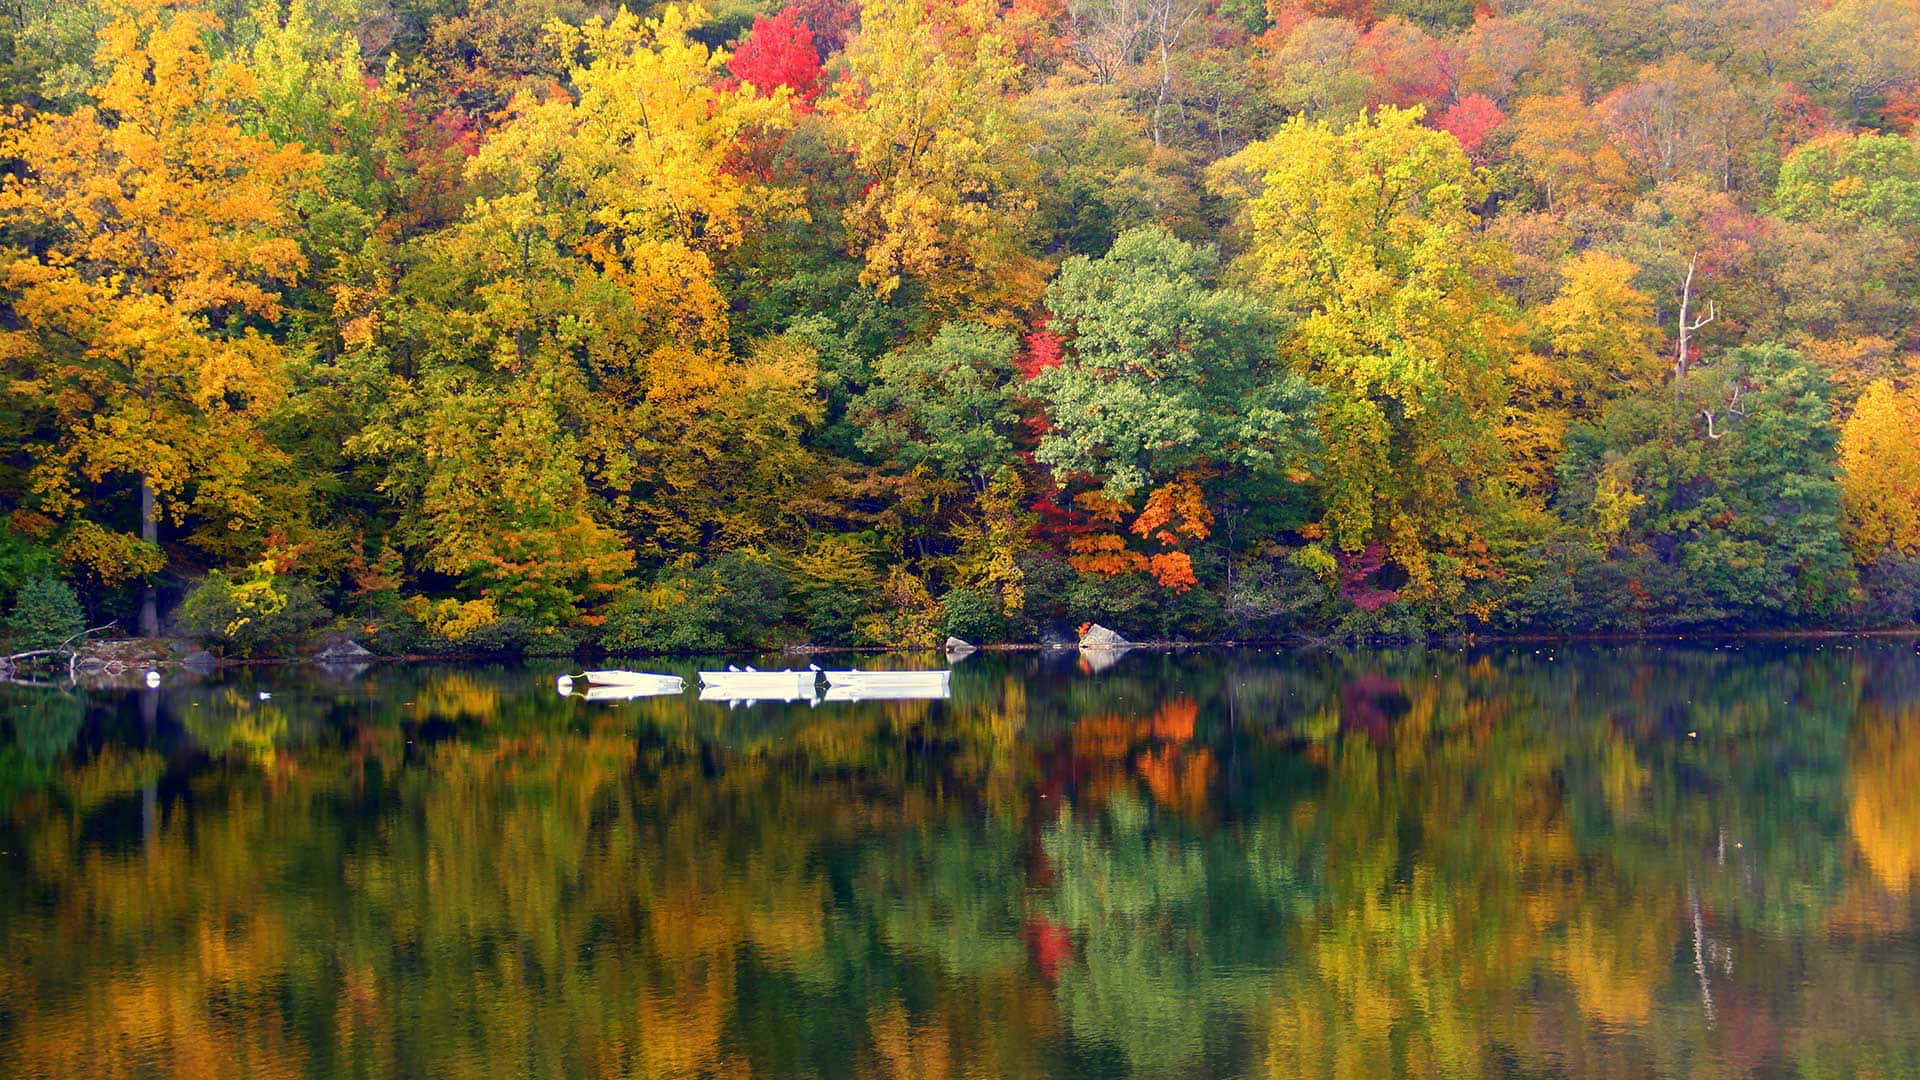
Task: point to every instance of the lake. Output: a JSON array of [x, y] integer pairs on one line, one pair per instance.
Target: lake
[[1676, 860]]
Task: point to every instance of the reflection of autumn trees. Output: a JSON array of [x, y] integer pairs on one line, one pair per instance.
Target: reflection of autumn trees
[[1581, 864], [1884, 812]]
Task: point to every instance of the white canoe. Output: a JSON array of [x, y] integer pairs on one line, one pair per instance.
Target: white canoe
[[748, 695], [662, 684], [761, 685], [861, 692], [932, 683]]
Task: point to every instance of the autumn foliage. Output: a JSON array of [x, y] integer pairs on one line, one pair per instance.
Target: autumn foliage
[[1332, 317], [779, 52]]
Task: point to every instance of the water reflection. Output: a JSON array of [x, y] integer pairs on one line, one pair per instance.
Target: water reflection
[[1578, 862]]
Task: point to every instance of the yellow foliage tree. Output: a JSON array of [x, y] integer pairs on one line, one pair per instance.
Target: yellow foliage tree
[[1599, 339], [632, 170], [1880, 473], [570, 375], [511, 514], [926, 112], [1365, 237], [1563, 148], [138, 315]]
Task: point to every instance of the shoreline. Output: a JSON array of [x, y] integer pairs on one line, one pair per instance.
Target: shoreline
[[167, 659]]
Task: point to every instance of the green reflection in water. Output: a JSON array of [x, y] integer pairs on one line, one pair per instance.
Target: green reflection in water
[[1562, 862]]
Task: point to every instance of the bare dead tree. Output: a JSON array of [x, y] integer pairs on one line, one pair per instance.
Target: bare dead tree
[[1731, 410], [1688, 323], [12, 666], [1169, 20], [1107, 35]]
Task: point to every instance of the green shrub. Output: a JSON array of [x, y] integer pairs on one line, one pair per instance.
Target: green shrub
[[729, 603], [380, 622], [672, 615], [1140, 608], [550, 644], [21, 561], [835, 585], [264, 615], [392, 625], [45, 613], [1277, 598], [1124, 603], [1048, 580], [972, 615]]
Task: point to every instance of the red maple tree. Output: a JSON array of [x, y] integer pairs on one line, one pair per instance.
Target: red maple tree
[[779, 52]]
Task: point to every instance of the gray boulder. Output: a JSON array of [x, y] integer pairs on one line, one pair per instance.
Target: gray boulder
[[344, 651], [1099, 637]]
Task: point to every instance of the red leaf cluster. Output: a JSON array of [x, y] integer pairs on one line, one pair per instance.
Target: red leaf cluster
[[779, 52], [1471, 120]]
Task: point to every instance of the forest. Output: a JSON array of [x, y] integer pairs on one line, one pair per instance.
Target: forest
[[541, 325]]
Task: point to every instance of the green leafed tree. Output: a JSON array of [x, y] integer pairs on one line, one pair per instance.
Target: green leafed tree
[[944, 404], [1719, 494], [1858, 179], [1163, 372]]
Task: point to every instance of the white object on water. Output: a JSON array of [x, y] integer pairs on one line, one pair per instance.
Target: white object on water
[[564, 685], [896, 692], [153, 679], [652, 683], [750, 685], [748, 698], [264, 696], [877, 685]]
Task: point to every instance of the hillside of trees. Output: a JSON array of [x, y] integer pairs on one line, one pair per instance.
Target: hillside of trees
[[540, 324]]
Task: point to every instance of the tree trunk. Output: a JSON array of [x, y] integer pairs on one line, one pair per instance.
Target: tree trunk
[[149, 532], [1166, 84]]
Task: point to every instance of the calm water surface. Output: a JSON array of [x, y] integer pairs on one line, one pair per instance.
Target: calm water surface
[[1608, 862]]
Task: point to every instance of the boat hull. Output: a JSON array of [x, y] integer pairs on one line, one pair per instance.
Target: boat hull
[[931, 682], [758, 685], [845, 692], [750, 695], [663, 684]]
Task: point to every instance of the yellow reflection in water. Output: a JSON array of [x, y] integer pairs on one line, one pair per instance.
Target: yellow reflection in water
[[1885, 809]]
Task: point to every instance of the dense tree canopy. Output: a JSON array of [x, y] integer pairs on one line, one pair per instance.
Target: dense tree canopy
[[484, 321]]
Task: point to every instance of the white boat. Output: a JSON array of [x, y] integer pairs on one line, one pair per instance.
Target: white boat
[[621, 685], [862, 692], [874, 684], [749, 695], [664, 684], [737, 684]]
